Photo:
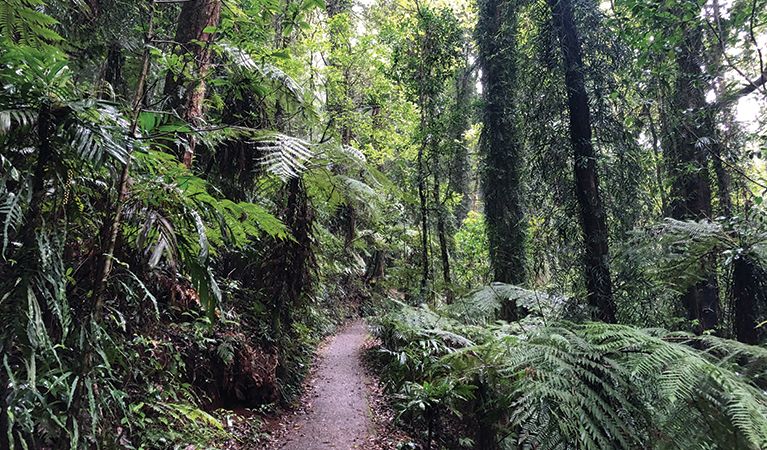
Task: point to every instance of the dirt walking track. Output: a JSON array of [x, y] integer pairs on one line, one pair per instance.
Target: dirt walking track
[[336, 415]]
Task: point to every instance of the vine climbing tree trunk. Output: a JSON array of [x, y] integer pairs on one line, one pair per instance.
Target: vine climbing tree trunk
[[459, 173], [593, 219], [112, 231], [499, 146], [425, 266]]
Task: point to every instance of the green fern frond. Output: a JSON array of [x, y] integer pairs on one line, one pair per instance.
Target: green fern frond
[[22, 24], [11, 209], [280, 78], [284, 156], [484, 304], [243, 62], [357, 190], [601, 386]]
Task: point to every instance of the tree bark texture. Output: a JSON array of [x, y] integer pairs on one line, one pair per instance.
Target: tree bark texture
[[186, 91], [294, 256], [691, 189], [593, 218], [499, 148], [425, 266]]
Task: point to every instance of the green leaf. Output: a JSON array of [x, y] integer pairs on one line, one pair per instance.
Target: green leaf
[[283, 54]]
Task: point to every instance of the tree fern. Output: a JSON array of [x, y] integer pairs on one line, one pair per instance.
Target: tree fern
[[241, 61], [613, 387], [569, 386], [484, 304], [676, 244]]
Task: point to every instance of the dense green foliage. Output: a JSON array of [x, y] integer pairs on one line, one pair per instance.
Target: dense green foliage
[[569, 385], [193, 193]]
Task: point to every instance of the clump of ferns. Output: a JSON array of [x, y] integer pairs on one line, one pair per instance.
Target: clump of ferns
[[674, 252], [589, 385], [609, 386]]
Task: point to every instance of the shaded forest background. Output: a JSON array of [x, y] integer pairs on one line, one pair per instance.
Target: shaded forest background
[[550, 211]]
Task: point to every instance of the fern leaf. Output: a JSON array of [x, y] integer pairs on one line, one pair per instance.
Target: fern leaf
[[12, 215], [284, 156]]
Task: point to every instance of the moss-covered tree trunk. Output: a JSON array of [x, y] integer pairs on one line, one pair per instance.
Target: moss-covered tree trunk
[[499, 146], [748, 289], [460, 167], [444, 238]]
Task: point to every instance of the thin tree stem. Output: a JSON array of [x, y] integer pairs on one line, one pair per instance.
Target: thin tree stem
[[98, 304]]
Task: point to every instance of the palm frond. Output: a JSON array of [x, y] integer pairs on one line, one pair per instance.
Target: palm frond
[[21, 116], [98, 132], [24, 24]]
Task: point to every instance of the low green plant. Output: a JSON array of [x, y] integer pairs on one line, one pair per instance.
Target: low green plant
[[566, 385]]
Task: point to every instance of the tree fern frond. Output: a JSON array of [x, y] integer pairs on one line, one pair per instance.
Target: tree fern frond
[[358, 190], [280, 78], [602, 386], [483, 304], [244, 62], [456, 339], [284, 156]]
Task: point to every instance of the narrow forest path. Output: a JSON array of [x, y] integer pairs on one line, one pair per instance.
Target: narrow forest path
[[336, 415]]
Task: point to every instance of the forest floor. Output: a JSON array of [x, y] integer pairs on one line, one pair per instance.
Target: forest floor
[[343, 407]]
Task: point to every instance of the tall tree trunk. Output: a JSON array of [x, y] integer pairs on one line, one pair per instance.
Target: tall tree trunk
[[500, 150], [688, 165], [460, 167], [425, 269], [593, 219], [339, 79], [442, 235], [292, 275], [748, 289], [187, 90]]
